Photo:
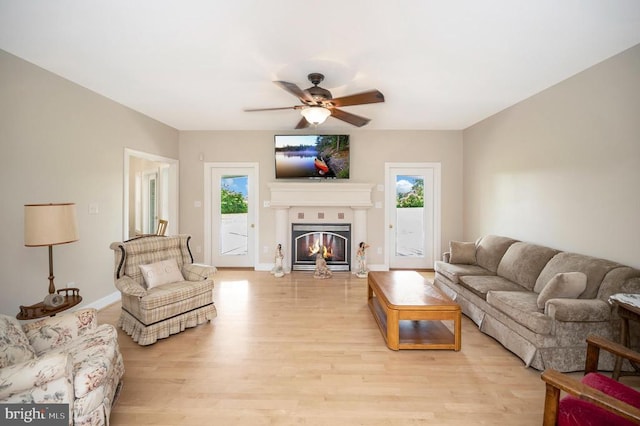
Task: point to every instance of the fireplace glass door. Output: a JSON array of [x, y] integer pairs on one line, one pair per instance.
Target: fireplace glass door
[[331, 241]]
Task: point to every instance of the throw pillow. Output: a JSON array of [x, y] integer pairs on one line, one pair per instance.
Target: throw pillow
[[163, 272], [462, 253], [14, 345], [565, 285]]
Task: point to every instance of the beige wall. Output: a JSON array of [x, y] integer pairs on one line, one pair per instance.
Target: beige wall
[[369, 152], [63, 143], [562, 168], [559, 169]]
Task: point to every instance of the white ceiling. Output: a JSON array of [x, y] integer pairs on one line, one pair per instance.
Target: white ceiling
[[195, 65]]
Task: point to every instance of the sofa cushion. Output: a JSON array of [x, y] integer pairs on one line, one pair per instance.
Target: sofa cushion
[[481, 285], [162, 272], [14, 344], [490, 250], [522, 307], [595, 269], [523, 262], [565, 285], [454, 271], [462, 253]]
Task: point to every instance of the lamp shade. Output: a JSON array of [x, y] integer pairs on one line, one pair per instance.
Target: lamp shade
[[50, 224], [315, 114]]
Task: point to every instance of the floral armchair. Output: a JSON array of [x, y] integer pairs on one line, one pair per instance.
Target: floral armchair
[[163, 291], [67, 358]]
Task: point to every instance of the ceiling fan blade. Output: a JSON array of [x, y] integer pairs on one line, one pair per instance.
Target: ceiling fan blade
[[295, 91], [302, 124], [268, 109], [356, 120], [370, 97]]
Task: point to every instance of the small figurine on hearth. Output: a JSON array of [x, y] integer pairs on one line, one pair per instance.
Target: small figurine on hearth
[[361, 257], [322, 270], [278, 270]]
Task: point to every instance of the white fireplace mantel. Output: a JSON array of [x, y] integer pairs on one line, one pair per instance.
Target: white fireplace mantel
[[321, 194], [356, 196]]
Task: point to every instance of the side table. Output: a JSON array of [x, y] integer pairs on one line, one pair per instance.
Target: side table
[[628, 310], [39, 310]]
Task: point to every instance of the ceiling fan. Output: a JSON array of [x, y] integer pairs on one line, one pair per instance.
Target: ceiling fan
[[318, 104]]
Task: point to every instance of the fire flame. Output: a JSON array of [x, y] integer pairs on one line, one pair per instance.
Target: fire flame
[[316, 248]]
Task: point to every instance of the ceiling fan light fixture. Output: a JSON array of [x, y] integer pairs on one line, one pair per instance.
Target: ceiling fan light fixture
[[315, 114]]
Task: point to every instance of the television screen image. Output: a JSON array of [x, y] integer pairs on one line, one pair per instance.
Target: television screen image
[[312, 156]]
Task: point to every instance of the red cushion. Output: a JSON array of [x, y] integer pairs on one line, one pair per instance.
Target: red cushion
[[613, 388], [575, 412]]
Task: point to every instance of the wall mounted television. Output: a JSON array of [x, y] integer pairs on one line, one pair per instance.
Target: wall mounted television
[[312, 156]]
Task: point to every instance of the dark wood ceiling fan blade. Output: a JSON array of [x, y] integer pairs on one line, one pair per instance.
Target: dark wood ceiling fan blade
[[370, 97], [268, 109], [356, 120], [302, 124], [295, 91]]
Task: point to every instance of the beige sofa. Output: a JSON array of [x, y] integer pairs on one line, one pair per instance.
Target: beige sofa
[[64, 359], [538, 302]]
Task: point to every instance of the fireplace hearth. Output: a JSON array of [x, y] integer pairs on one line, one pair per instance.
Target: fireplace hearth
[[332, 241]]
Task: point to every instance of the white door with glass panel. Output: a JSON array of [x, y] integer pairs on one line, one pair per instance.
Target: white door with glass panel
[[413, 214], [230, 220]]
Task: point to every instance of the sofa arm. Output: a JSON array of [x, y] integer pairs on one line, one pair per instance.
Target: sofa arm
[[130, 287], [197, 271], [39, 373], [578, 310], [56, 331]]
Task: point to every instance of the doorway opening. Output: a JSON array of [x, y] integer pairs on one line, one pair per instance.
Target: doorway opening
[[150, 193]]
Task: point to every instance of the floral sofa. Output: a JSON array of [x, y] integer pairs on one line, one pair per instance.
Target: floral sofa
[[64, 359], [538, 302]]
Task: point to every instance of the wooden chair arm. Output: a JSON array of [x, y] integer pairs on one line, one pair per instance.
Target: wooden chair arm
[[556, 382], [595, 343]]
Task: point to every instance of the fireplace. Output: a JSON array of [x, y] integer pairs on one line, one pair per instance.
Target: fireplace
[[332, 241]]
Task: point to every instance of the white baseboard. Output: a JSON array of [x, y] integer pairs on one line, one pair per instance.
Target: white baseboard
[[264, 266], [105, 301], [381, 267]]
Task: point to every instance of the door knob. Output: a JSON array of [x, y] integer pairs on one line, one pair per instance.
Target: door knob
[[390, 226]]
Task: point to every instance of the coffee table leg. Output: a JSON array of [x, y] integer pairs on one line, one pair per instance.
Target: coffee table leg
[[393, 330], [457, 335]]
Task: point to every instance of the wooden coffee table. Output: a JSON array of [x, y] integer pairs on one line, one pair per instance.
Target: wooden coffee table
[[409, 311]]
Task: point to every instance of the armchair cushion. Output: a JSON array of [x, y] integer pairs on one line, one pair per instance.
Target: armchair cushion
[[14, 344], [43, 379], [574, 411], [163, 272], [92, 357]]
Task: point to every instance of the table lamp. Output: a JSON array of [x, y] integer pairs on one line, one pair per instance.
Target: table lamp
[[50, 225]]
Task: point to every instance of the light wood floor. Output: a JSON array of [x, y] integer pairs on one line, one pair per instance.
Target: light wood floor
[[300, 351]]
